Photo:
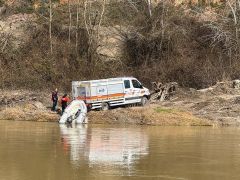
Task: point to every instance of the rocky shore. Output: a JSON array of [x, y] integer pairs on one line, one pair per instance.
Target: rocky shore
[[218, 105]]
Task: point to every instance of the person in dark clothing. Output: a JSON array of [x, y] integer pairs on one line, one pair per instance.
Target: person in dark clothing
[[54, 99], [64, 102]]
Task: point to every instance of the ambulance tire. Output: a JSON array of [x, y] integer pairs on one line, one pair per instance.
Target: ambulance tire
[[144, 101], [105, 106]]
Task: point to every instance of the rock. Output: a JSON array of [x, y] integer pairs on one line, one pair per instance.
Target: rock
[[111, 43], [236, 84], [13, 29], [2, 10]]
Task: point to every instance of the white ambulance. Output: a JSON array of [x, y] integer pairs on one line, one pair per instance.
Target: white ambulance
[[106, 93]]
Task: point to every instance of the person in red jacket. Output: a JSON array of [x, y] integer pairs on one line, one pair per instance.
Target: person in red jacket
[[64, 102]]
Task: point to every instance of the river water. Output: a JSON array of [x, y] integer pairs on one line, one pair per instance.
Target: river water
[[47, 151]]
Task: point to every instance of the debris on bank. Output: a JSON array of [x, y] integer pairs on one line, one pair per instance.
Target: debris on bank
[[219, 103], [162, 92]]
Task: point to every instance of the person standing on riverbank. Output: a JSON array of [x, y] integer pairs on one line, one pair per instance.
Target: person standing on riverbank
[[54, 99], [64, 102]]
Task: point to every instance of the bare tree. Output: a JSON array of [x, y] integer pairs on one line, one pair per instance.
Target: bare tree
[[50, 26], [133, 5], [234, 6], [85, 16], [77, 24], [225, 30], [70, 22], [101, 17], [149, 2], [93, 21]]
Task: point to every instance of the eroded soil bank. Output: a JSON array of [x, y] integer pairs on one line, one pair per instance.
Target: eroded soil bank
[[217, 105]]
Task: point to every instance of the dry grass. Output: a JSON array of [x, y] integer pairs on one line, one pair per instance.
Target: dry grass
[[28, 112], [153, 115]]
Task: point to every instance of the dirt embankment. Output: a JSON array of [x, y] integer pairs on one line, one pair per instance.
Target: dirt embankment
[[220, 104], [26, 106], [217, 105]]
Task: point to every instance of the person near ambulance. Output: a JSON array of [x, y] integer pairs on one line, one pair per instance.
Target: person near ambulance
[[54, 99], [64, 101]]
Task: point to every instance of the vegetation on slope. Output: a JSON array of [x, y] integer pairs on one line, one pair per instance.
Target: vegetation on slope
[[194, 45]]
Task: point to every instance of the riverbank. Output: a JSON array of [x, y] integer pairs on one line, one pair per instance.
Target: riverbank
[[218, 105], [150, 115]]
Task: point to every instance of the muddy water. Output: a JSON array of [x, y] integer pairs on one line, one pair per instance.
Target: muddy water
[[47, 151]]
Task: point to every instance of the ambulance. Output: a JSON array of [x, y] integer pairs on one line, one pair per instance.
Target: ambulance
[[106, 93]]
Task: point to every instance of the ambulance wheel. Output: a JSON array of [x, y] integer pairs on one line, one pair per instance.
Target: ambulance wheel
[[144, 101], [105, 106]]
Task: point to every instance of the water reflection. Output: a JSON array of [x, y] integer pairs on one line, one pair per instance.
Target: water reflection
[[104, 145], [37, 151]]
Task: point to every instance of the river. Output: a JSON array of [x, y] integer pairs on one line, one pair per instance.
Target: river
[[47, 151]]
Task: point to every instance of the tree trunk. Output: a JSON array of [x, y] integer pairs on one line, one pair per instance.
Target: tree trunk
[[101, 17], [50, 25], [77, 26], [149, 7], [70, 22]]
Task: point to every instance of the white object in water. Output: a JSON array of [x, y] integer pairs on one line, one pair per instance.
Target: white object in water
[[76, 111]]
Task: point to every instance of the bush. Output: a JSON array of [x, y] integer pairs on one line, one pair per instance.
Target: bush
[[1, 3], [176, 51], [24, 9]]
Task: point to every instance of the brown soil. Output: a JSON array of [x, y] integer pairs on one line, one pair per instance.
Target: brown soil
[[220, 103]]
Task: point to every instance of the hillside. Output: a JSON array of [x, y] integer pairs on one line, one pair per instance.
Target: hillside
[[44, 44]]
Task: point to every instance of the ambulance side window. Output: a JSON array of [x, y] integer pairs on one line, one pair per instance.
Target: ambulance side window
[[73, 91], [81, 91], [127, 84]]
